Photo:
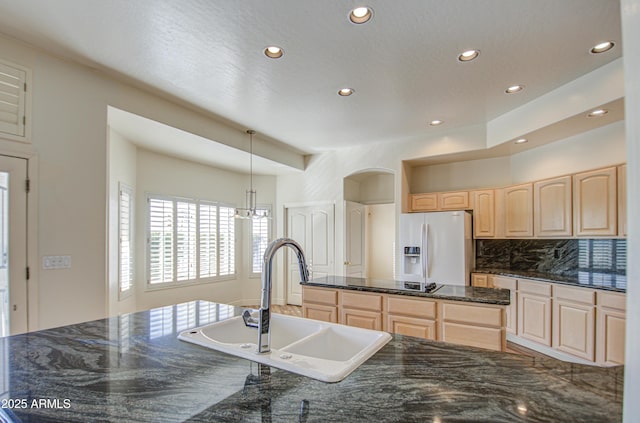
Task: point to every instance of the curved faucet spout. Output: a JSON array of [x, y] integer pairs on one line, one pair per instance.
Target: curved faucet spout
[[264, 321]]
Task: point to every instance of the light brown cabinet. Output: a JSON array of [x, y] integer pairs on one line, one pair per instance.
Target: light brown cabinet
[[552, 207], [424, 202], [484, 225], [595, 202], [610, 328], [437, 201], [511, 284], [574, 321], [480, 280], [412, 317], [361, 309], [473, 325], [518, 211], [480, 325], [534, 311], [320, 304], [622, 200]]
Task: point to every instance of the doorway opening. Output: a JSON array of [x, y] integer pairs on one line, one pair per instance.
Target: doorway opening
[[369, 229]]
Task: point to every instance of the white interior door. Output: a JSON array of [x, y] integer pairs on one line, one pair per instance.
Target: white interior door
[[13, 245], [313, 228], [355, 224]]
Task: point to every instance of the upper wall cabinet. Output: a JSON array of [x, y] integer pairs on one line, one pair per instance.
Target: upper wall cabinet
[[518, 211], [436, 201], [595, 202], [13, 101], [552, 207], [484, 214], [622, 200]]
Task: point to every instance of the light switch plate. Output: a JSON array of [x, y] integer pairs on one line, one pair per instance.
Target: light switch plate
[[56, 262]]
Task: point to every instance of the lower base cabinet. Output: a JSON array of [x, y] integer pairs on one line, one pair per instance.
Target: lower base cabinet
[[574, 321], [534, 311], [610, 328], [478, 325]]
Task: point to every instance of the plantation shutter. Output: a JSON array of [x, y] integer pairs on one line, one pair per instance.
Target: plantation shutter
[[12, 100], [226, 228], [160, 240], [259, 241], [185, 241], [208, 241], [125, 242]]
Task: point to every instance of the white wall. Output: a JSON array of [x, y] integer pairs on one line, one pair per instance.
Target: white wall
[[69, 138], [597, 148], [122, 169], [631, 36]]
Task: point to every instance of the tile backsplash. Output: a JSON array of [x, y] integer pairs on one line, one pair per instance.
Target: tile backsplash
[[565, 257]]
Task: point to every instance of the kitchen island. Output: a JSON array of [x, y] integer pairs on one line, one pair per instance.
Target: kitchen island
[[133, 368]]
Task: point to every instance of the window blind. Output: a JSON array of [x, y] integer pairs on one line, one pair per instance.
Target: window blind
[[208, 223], [227, 241], [12, 99], [125, 253], [259, 241], [160, 240], [185, 241]]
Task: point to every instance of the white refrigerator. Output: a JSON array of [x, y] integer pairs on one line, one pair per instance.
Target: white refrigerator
[[436, 247]]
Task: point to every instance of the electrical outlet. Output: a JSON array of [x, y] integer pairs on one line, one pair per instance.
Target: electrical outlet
[[56, 262]]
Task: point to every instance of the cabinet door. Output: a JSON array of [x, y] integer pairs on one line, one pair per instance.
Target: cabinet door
[[534, 311], [552, 207], [518, 217], [594, 202], [361, 318], [424, 202], [610, 330], [622, 200], [574, 328], [453, 200], [321, 312], [512, 309], [480, 280], [484, 214], [411, 326]]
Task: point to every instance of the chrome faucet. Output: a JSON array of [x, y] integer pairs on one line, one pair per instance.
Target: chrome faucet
[[263, 322]]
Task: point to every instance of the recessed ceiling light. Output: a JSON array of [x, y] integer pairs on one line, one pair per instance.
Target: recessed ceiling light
[[602, 47], [346, 92], [468, 55], [273, 52], [361, 15], [521, 141], [514, 89], [436, 122], [598, 113]]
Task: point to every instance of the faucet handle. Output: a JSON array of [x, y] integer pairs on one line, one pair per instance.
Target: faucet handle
[[249, 321]]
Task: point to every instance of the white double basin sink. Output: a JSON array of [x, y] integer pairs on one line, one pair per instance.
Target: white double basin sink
[[324, 351]]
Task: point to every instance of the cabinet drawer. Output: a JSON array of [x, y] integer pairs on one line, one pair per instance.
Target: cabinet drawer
[[612, 300], [539, 288], [475, 315], [480, 280], [362, 301], [325, 313], [474, 336], [320, 295], [578, 295], [361, 319], [409, 307], [411, 326]]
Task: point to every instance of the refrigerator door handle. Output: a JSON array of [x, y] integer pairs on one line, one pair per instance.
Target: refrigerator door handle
[[425, 249]]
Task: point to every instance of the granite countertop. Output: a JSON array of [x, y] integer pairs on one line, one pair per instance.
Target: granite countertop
[[445, 292], [133, 368], [596, 280]]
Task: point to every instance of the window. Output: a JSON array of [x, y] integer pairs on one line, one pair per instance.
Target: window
[[13, 87], [189, 241], [260, 237], [125, 240]]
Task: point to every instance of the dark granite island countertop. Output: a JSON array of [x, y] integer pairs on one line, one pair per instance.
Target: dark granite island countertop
[[444, 292], [596, 280], [133, 368]]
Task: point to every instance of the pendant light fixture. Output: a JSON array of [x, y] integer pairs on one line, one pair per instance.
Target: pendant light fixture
[[250, 211]]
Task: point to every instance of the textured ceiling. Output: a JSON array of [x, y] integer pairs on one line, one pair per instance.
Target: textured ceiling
[[402, 64]]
